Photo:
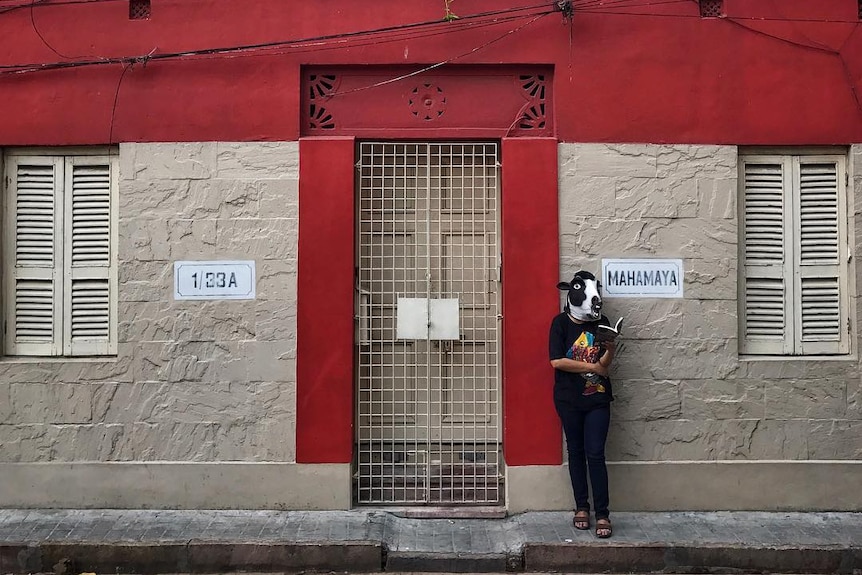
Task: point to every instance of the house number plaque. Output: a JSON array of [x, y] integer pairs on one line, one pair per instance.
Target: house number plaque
[[214, 280]]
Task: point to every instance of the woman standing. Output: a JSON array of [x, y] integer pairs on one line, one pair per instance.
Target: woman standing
[[582, 395]]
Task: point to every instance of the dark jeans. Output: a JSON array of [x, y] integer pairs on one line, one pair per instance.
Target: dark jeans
[[586, 432]]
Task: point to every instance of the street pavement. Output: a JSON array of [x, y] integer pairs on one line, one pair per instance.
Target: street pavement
[[68, 542]]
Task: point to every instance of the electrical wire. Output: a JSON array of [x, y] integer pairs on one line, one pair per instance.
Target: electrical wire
[[442, 29], [577, 4], [126, 68], [444, 62], [698, 16], [848, 38], [37, 4], [49, 3], [39, 34], [798, 29], [733, 19], [737, 21], [52, 3], [816, 48], [851, 82], [307, 47], [587, 4], [462, 23], [321, 47]]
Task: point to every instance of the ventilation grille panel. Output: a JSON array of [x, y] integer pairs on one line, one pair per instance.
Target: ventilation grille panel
[[139, 9], [711, 8]]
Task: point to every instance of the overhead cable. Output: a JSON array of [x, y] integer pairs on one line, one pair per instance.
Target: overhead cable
[[465, 22]]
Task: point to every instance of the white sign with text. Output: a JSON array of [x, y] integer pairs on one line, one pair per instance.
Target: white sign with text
[[214, 280], [644, 278]]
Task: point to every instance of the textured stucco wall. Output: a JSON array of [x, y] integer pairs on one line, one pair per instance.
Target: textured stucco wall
[[683, 392], [193, 380], [197, 382]]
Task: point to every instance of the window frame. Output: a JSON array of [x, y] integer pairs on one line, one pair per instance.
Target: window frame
[[62, 346], [793, 346]]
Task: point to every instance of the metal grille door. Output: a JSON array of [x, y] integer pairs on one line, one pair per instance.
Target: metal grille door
[[428, 406]]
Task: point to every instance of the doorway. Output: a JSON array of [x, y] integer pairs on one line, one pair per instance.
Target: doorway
[[427, 321]]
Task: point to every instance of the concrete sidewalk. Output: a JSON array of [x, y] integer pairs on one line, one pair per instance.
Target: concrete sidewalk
[[118, 541]]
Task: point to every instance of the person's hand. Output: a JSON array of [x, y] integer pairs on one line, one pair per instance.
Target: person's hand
[[610, 346]]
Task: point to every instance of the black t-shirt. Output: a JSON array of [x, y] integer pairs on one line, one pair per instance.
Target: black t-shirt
[[577, 341]]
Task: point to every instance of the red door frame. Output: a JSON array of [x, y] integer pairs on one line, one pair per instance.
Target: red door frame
[[325, 339]]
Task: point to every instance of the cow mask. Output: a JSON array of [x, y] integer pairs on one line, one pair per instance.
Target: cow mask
[[584, 302]]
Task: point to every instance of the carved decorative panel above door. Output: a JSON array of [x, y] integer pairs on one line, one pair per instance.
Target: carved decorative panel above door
[[456, 101]]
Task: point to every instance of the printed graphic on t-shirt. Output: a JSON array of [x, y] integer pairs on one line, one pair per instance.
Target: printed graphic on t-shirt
[[584, 349]]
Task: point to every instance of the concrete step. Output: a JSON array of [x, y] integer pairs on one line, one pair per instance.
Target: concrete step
[[371, 540]]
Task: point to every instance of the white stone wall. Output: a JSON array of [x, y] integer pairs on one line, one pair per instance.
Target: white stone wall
[[682, 391], [193, 381]]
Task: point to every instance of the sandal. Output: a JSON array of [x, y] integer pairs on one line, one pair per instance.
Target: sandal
[[603, 528], [582, 520]]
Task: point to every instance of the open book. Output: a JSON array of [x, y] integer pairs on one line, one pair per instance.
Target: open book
[[607, 332]]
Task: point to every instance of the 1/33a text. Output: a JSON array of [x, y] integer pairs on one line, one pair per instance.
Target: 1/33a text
[[214, 279]]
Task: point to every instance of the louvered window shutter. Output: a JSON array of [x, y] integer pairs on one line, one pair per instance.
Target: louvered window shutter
[[821, 309], [766, 315], [90, 259], [33, 256]]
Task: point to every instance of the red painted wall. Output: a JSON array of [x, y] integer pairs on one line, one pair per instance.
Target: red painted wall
[[531, 430], [324, 347], [772, 72]]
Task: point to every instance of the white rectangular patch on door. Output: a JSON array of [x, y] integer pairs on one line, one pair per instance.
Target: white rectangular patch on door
[[412, 314], [413, 318], [444, 319]]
